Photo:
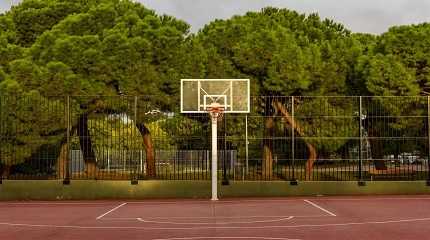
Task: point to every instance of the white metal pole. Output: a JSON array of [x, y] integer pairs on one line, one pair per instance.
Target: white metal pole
[[246, 143], [214, 157]]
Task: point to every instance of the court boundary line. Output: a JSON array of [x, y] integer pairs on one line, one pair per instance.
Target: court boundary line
[[214, 227], [192, 238], [319, 207], [59, 202], [327, 198], [110, 211], [225, 217], [239, 201], [151, 201]]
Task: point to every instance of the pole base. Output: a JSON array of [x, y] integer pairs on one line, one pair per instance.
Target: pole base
[[214, 199], [294, 182], [361, 183]]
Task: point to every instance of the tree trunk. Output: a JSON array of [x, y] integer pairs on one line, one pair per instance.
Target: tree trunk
[[311, 160], [5, 171], [62, 162], [267, 168], [312, 152], [86, 145], [149, 149], [377, 147]]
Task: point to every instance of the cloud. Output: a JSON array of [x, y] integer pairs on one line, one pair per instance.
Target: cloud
[[5, 5], [374, 16]]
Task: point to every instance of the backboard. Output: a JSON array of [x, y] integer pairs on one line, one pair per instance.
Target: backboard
[[198, 94]]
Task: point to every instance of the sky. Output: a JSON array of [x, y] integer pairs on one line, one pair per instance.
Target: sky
[[370, 16]]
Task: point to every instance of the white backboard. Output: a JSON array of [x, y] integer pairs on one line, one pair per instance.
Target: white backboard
[[198, 94]]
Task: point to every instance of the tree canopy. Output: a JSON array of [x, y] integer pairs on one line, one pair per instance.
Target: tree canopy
[[92, 48], [99, 48]]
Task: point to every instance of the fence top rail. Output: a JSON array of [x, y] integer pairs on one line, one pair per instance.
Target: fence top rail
[[252, 96]]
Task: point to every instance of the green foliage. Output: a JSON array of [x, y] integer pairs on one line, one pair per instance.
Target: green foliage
[[33, 17], [398, 64], [328, 122], [114, 47], [119, 47], [102, 47], [114, 132], [160, 135], [7, 29], [285, 53], [403, 53], [387, 76], [184, 132], [9, 51], [2, 75], [29, 121]]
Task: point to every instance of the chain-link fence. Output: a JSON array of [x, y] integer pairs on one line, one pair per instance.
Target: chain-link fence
[[283, 138]]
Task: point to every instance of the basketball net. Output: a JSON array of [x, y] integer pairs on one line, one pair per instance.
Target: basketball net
[[216, 111]]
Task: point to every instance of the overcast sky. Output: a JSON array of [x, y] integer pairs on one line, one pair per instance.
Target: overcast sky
[[373, 16]]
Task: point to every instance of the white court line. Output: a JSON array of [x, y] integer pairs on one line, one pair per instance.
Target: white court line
[[219, 217], [216, 223], [262, 238], [151, 202], [320, 208], [56, 203], [280, 200], [113, 209], [373, 199], [219, 202], [213, 227], [215, 218]]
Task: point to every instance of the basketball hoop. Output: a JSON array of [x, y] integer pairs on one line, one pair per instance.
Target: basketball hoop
[[216, 97], [216, 111]]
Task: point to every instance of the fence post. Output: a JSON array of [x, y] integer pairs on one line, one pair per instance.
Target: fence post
[[225, 179], [428, 139], [1, 132], [66, 179], [246, 145], [134, 176], [293, 158], [360, 145]]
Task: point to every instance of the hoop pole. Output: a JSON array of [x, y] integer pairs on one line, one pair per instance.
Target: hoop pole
[[214, 119]]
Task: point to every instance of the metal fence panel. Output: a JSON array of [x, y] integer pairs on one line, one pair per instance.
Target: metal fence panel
[[303, 138]]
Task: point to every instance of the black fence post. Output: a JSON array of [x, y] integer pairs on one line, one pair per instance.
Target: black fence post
[[66, 179], [225, 178], [361, 182], [293, 177], [134, 173], [428, 139], [1, 137]]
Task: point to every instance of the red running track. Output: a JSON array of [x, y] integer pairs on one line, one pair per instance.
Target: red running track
[[364, 217]]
